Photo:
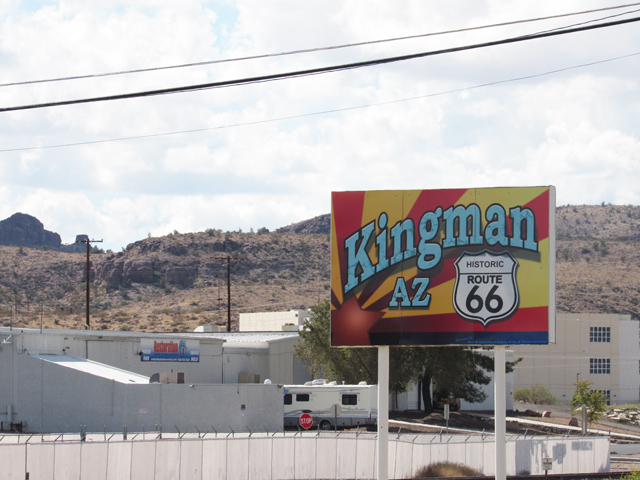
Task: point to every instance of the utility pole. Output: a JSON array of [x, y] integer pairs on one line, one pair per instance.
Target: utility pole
[[228, 259], [88, 282], [219, 297]]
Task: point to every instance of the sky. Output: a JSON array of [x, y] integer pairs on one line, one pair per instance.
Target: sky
[[559, 111]]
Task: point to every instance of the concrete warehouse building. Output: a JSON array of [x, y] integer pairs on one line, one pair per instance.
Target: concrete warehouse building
[[601, 348], [56, 380]]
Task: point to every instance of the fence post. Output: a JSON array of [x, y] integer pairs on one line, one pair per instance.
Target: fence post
[[382, 453]]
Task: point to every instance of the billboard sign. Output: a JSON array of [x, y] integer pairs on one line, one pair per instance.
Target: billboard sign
[[169, 350], [443, 267]]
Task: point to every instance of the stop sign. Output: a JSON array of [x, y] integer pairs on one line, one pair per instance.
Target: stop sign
[[305, 420]]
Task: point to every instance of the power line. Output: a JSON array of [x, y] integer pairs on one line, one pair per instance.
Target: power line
[[314, 71], [323, 112], [318, 49], [593, 21]]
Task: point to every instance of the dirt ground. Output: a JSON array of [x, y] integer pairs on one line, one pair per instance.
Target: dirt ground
[[557, 421]]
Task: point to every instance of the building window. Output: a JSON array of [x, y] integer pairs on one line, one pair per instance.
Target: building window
[[598, 366], [600, 334], [349, 399], [302, 397]]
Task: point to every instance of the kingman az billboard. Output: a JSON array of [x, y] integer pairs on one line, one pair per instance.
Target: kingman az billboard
[[443, 267]]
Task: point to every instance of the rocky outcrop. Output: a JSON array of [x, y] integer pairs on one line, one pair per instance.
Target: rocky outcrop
[[177, 250], [116, 272], [23, 230], [145, 246], [319, 224], [110, 272], [181, 276], [79, 246], [138, 271]]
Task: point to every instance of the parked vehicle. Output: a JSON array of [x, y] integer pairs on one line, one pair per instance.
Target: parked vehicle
[[440, 402], [331, 405]]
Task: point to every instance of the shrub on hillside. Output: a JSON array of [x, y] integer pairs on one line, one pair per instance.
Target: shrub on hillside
[[446, 469]]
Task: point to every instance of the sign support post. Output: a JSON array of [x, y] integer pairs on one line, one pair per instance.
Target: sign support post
[[383, 413], [500, 413]]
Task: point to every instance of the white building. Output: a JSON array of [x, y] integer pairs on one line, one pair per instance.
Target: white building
[[601, 348], [253, 357], [273, 321], [57, 380]]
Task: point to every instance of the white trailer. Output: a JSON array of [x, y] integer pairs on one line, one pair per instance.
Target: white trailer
[[331, 405]]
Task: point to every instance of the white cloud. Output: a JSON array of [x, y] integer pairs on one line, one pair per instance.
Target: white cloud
[[66, 213], [576, 129]]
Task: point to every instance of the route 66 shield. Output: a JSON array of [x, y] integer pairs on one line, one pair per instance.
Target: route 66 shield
[[486, 289]]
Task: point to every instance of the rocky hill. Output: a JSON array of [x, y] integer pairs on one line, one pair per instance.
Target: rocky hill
[[598, 259], [176, 282], [319, 224], [24, 230]]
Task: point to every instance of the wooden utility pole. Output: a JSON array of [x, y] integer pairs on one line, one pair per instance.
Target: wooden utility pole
[[88, 282], [228, 259]]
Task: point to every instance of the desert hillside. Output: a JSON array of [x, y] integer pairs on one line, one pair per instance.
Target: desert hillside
[[177, 282]]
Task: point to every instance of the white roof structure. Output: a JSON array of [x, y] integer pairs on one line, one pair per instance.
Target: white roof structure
[[253, 340], [111, 334], [231, 337], [253, 337], [94, 368]]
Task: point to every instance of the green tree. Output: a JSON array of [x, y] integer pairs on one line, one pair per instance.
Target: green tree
[[352, 365], [595, 400], [453, 371]]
